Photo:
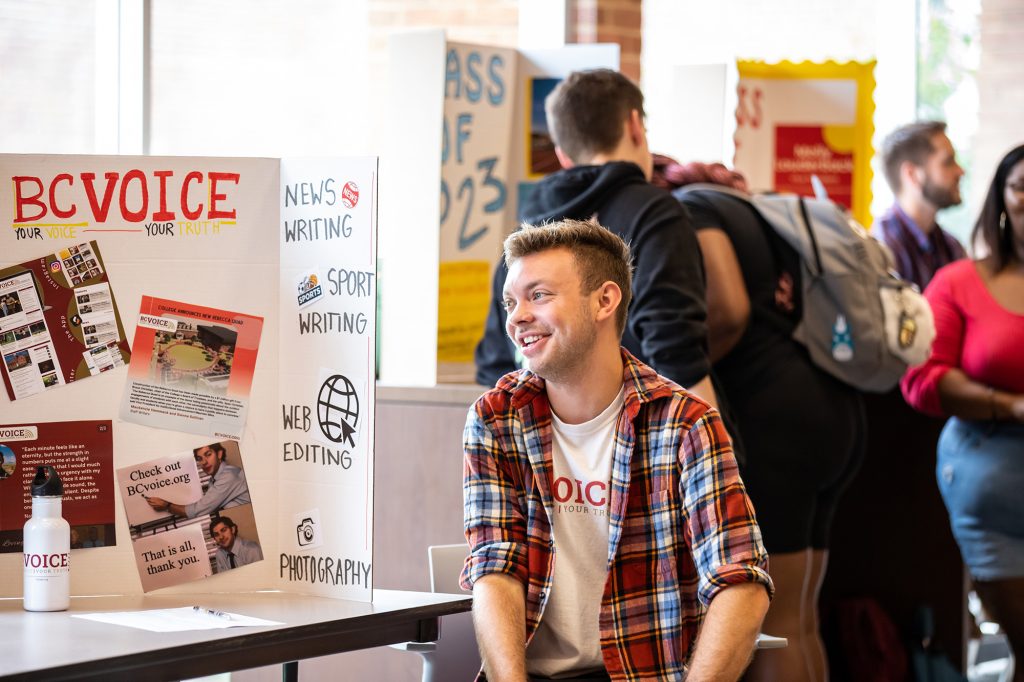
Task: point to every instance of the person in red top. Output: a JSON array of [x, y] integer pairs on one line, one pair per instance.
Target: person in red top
[[975, 375]]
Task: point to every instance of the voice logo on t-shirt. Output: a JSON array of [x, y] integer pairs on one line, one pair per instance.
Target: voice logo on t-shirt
[[580, 497]]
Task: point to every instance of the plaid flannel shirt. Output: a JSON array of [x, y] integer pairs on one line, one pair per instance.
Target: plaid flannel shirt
[[681, 527]]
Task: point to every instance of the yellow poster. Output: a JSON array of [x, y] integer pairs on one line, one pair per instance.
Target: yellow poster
[[464, 292], [806, 128]]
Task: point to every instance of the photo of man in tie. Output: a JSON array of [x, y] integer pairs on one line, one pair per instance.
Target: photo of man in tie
[[232, 551]]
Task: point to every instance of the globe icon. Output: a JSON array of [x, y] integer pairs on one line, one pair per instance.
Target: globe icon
[[337, 409]]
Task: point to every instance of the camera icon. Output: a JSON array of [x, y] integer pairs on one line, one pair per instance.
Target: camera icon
[[306, 532]]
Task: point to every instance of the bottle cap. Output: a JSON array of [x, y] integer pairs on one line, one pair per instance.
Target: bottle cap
[[47, 483]]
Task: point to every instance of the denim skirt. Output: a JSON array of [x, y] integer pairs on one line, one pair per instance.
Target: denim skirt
[[980, 470]]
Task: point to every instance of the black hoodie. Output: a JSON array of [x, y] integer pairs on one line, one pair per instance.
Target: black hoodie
[[666, 326]]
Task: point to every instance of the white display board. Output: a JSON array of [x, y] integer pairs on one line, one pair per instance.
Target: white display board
[[227, 234], [327, 363]]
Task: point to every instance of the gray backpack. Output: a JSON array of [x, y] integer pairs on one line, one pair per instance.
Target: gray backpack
[[860, 322]]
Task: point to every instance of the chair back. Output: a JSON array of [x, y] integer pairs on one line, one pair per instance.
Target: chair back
[[446, 563], [457, 657]]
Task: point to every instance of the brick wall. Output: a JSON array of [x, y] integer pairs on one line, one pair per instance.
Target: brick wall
[[1000, 93], [610, 21]]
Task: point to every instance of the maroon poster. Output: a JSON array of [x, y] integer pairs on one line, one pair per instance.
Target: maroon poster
[[58, 321], [803, 151], [83, 454]]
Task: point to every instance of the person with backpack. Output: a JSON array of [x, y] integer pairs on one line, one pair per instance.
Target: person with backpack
[[795, 474], [975, 376]]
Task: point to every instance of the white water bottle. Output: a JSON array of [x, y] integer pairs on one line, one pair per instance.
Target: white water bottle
[[47, 546]]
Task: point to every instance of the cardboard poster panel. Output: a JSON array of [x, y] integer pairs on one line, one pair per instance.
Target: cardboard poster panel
[[479, 91], [467, 139], [328, 290], [795, 121]]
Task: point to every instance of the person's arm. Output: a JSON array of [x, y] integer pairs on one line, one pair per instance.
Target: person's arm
[[727, 298], [228, 489], [706, 390], [928, 387], [499, 618], [496, 569], [730, 629], [160, 504], [939, 386], [961, 396], [727, 551]]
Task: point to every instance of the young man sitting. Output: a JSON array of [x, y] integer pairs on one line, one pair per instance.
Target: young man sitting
[[605, 515]]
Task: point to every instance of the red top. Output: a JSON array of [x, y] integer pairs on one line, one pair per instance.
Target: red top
[[973, 332]]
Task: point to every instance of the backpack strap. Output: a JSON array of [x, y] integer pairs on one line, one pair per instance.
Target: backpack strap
[[810, 235]]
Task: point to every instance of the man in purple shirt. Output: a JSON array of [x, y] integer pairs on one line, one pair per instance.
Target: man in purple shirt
[[921, 169]]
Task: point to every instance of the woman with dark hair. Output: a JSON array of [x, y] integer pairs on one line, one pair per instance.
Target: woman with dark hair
[[802, 429], [975, 376]]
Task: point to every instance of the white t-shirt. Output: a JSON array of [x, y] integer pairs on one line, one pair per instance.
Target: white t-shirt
[[568, 638]]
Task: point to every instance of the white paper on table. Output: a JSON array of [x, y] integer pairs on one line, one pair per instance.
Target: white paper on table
[[175, 620]]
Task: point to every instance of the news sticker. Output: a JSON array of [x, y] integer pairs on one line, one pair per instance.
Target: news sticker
[[350, 194]]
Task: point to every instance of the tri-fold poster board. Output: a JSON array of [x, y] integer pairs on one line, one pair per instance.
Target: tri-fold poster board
[[191, 342]]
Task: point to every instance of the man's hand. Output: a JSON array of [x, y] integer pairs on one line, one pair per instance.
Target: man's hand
[[727, 638], [158, 504], [499, 616]]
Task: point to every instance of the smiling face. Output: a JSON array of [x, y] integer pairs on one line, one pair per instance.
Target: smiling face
[[940, 174], [549, 318], [209, 460], [223, 535]]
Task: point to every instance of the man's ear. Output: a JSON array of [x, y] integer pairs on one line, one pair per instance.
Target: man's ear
[[609, 298], [563, 158], [635, 128], [911, 175]]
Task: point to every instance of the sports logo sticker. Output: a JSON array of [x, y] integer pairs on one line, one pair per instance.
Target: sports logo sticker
[[308, 288]]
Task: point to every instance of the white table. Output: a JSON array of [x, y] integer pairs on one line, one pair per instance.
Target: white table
[[55, 646]]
